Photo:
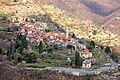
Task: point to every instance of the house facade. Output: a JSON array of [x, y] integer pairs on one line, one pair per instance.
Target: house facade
[[86, 54], [86, 64]]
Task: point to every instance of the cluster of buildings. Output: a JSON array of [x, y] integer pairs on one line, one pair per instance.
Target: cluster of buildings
[[87, 59], [37, 33]]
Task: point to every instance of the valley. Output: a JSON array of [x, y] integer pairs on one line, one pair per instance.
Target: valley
[[59, 39]]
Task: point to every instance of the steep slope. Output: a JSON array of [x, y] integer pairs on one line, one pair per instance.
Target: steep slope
[[81, 27], [113, 26], [97, 11]]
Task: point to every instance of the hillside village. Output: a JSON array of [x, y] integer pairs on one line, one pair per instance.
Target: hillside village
[[41, 41], [39, 32], [38, 44], [82, 28]]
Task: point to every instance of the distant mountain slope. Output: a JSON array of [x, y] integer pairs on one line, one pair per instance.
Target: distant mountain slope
[[114, 26], [60, 12], [98, 11]]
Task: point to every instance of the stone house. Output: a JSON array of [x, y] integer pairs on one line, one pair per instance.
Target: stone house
[[86, 64], [86, 54]]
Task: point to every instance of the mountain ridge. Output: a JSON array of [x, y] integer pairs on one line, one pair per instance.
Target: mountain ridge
[[99, 12]]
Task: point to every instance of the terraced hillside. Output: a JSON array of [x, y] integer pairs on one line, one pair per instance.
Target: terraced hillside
[[83, 28]]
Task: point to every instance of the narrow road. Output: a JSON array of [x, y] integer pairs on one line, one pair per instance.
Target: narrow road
[[76, 72], [113, 63]]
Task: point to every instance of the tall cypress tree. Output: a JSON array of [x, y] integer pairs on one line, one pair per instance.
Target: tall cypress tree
[[1, 50], [21, 43], [77, 60], [91, 46], [10, 53], [41, 47]]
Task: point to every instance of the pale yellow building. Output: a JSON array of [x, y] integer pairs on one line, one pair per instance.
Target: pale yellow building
[[86, 54], [86, 64]]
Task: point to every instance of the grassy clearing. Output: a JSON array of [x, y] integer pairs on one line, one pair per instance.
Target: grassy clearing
[[48, 63]]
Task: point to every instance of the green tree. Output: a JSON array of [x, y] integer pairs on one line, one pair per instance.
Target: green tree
[[21, 48], [19, 58], [41, 47], [91, 46], [88, 77], [94, 32], [69, 46], [92, 43], [21, 43], [16, 0], [73, 35], [77, 60], [107, 50], [31, 57], [1, 50], [11, 53], [119, 68], [114, 57]]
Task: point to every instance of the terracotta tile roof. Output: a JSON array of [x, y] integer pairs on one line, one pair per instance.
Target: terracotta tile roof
[[69, 38], [86, 53], [33, 36], [53, 38], [62, 35]]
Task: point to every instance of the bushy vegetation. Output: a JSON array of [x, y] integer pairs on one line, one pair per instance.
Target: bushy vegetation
[[91, 46], [8, 1], [114, 57], [77, 60], [41, 47]]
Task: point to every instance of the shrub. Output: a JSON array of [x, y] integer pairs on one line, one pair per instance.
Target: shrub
[[39, 60], [1, 50], [16, 0], [77, 60], [35, 65], [119, 68], [107, 50], [114, 57], [31, 58], [69, 46], [22, 65], [94, 32], [41, 47]]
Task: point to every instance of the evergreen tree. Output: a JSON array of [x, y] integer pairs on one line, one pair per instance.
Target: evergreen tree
[[41, 47], [10, 53], [19, 58], [69, 46], [21, 43], [1, 50], [119, 68], [21, 48], [73, 35], [92, 43], [77, 60], [107, 50], [114, 57], [91, 46], [88, 77]]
